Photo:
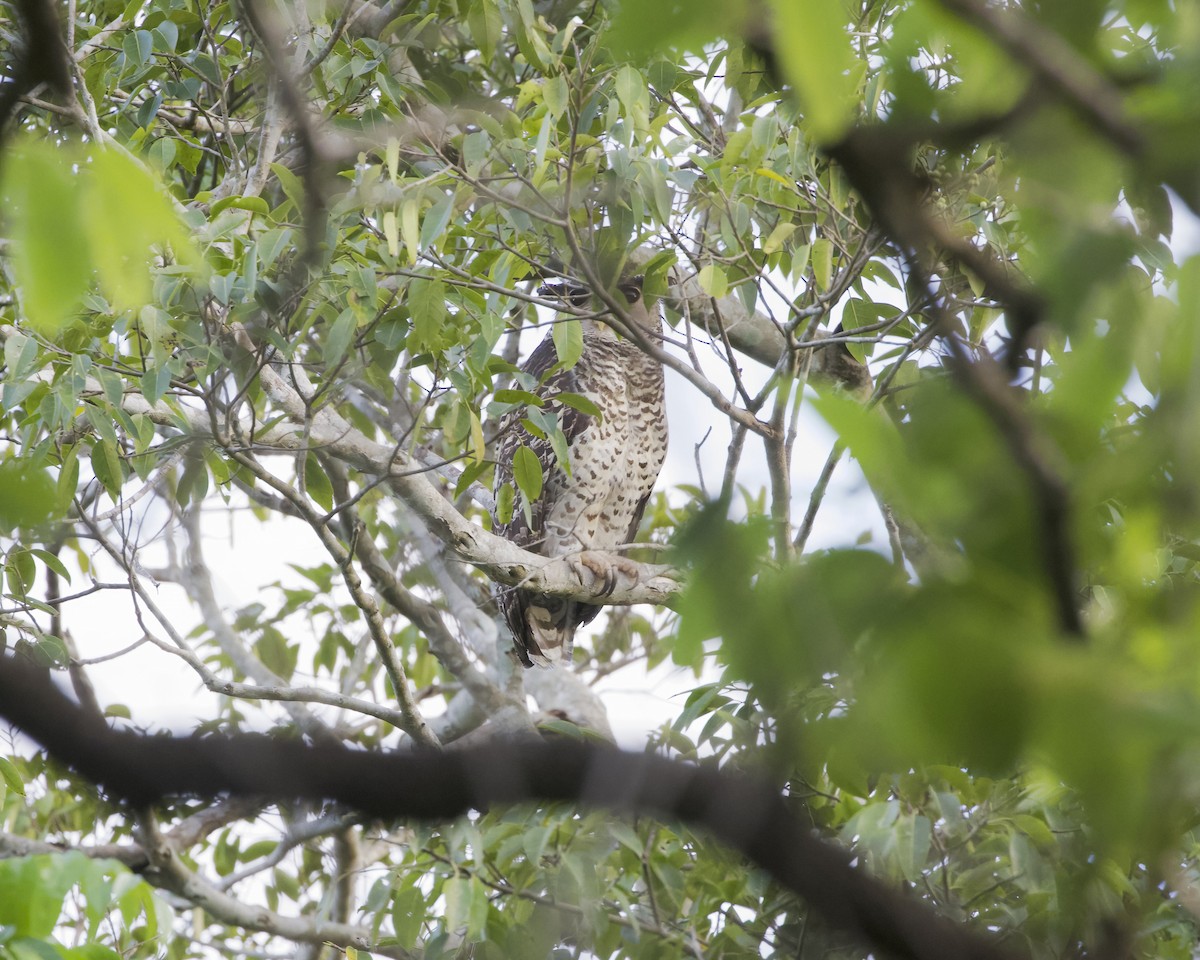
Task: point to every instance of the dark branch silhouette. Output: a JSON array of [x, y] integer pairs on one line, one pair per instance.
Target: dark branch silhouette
[[42, 59], [749, 815]]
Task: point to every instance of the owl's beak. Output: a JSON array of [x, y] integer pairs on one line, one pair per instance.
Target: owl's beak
[[576, 294]]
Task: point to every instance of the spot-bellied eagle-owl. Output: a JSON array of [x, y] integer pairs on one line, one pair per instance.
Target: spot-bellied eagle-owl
[[614, 461]]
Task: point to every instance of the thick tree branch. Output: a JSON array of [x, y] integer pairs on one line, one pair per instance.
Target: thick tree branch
[[757, 337], [750, 816]]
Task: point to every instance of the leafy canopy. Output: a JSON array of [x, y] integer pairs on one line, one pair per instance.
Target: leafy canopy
[[276, 266]]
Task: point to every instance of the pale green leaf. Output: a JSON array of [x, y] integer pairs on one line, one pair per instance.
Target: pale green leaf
[[505, 498], [392, 158], [713, 281], [391, 232], [253, 204], [42, 197], [778, 237], [568, 341], [11, 777], [554, 94], [822, 263], [631, 89], [527, 472], [121, 191], [27, 495], [487, 25], [427, 301], [409, 218], [408, 916], [558, 442], [478, 445], [436, 219], [814, 51]]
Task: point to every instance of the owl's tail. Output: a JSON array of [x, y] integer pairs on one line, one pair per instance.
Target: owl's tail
[[544, 627]]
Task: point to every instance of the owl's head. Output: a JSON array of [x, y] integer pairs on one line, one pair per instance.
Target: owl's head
[[628, 294]]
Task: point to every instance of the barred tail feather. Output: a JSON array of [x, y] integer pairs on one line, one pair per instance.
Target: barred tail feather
[[549, 631], [544, 627]]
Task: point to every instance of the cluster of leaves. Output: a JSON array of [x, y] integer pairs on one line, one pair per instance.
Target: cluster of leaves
[[101, 909], [362, 205]]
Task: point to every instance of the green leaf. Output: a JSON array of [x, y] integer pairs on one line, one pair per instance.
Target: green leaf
[[554, 94], [155, 382], [558, 443], [31, 894], [631, 90], [316, 482], [814, 51], [408, 916], [276, 654], [427, 301], [577, 401], [340, 336], [28, 495], [457, 891], [472, 473], [858, 313], [518, 396], [409, 218], [253, 204], [20, 356], [291, 184], [647, 29], [505, 498], [168, 33], [568, 342], [20, 572], [527, 472], [478, 444], [713, 281], [42, 201], [435, 221], [121, 191], [391, 232], [12, 776], [138, 46], [52, 562], [486, 24], [778, 237], [822, 263]]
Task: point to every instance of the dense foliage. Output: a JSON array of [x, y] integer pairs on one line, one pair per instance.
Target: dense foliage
[[280, 263]]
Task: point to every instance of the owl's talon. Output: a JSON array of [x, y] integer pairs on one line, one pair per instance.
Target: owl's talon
[[608, 573]]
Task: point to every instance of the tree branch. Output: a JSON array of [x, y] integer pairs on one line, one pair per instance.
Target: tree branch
[[167, 870], [748, 815], [1059, 65], [499, 559]]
